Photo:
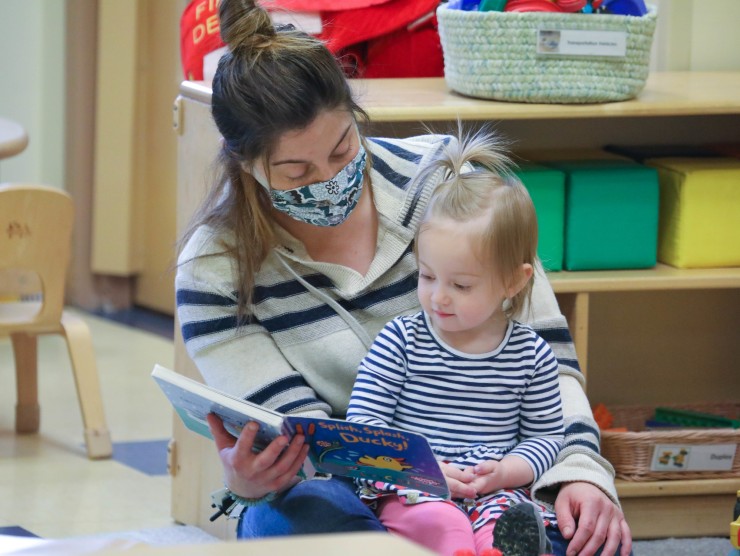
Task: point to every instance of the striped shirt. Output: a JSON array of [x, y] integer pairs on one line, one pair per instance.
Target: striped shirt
[[471, 408]]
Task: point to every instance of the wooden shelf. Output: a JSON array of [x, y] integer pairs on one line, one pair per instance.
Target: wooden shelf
[[661, 277], [429, 99], [665, 94], [638, 489], [693, 508]]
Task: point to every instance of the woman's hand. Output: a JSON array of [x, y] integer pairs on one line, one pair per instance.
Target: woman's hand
[[589, 519], [457, 481], [253, 475]]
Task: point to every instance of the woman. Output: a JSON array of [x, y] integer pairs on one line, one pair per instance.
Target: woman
[[296, 260]]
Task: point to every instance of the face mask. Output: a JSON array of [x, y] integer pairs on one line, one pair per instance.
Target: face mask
[[324, 203]]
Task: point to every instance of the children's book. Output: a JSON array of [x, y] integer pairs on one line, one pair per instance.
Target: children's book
[[337, 447]]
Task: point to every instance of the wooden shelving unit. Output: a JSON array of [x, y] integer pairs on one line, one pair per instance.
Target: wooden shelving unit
[[578, 285], [693, 508], [674, 107], [655, 508]]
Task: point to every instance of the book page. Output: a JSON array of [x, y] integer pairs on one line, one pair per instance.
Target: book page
[[384, 454], [193, 401]]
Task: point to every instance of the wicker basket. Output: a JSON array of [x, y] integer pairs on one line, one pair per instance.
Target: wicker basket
[[494, 55], [631, 453]]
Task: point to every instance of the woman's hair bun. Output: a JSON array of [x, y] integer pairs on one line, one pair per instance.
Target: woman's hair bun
[[244, 24]]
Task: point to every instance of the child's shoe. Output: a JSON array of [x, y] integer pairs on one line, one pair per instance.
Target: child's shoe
[[520, 532]]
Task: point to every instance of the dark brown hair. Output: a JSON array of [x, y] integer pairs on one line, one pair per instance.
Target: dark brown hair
[[271, 81]]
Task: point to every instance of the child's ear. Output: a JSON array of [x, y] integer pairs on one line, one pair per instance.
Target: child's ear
[[522, 275]]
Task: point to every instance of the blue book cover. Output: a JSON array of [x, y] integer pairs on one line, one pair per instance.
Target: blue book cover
[[336, 447], [384, 454]]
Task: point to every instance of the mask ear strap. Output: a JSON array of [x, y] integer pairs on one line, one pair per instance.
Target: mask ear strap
[[259, 177], [351, 321]]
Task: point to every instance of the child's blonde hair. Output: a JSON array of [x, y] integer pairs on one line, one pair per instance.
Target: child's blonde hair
[[477, 180]]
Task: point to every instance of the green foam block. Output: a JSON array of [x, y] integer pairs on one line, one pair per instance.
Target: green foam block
[[611, 214], [546, 186]]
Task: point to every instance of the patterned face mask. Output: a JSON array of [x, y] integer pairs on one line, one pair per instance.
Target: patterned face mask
[[324, 203]]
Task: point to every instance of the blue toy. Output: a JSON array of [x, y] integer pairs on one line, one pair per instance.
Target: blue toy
[[623, 7]]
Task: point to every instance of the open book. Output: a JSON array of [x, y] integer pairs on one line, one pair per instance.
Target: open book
[[336, 447]]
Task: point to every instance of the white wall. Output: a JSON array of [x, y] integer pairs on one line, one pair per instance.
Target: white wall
[[32, 87], [715, 39], [697, 35]]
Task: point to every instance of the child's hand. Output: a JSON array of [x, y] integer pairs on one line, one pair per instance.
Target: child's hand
[[511, 472], [458, 481], [488, 476]]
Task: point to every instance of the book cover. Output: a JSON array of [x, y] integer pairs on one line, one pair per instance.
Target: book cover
[[336, 447], [385, 454]]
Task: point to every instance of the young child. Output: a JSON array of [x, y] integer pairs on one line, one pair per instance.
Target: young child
[[480, 386]]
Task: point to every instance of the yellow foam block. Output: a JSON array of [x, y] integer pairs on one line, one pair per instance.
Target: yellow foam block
[[699, 222]]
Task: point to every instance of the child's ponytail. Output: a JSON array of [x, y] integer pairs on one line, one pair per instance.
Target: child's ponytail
[[477, 180]]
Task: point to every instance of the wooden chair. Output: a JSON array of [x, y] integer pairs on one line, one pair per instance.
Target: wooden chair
[[35, 239]]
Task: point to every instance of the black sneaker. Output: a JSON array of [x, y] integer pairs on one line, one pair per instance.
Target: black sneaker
[[520, 532]]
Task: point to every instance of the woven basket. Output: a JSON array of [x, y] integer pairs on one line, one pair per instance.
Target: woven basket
[[493, 55], [631, 453]]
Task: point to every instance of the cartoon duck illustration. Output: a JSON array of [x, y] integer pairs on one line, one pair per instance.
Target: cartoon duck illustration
[[680, 458], [665, 458], [384, 462]]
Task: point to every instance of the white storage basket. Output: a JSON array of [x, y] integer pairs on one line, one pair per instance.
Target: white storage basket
[[518, 57]]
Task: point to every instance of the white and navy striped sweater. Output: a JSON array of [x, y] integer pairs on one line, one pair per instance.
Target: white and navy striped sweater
[[471, 408], [299, 355]]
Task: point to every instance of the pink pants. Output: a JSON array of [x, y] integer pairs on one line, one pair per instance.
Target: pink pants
[[439, 526]]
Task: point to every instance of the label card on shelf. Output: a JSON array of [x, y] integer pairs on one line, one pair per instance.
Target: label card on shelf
[[571, 42], [687, 457]]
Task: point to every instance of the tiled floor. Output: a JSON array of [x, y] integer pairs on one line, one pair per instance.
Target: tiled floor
[[48, 487]]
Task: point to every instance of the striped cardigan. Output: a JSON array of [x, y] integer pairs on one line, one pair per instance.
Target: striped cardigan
[[312, 322]]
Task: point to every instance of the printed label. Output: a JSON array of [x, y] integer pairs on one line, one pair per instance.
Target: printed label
[[567, 42], [701, 457]]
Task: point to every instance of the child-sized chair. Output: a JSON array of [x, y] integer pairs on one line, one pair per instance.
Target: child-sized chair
[[35, 238]]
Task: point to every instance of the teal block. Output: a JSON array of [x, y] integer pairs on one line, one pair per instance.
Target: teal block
[[611, 214], [546, 187]]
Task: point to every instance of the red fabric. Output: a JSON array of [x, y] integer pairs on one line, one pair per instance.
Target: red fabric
[[416, 53], [376, 38], [345, 27], [317, 5], [199, 35]]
